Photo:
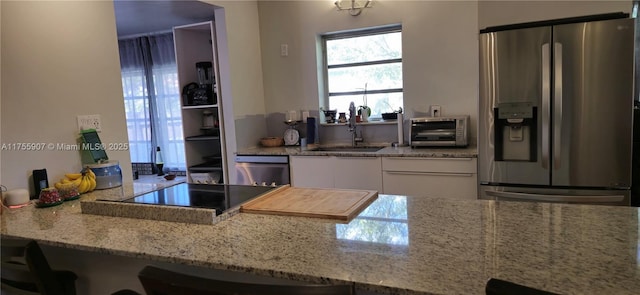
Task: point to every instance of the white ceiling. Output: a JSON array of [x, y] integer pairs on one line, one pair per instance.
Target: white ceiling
[[134, 17]]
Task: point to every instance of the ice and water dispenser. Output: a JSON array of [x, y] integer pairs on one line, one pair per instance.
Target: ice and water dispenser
[[515, 132]]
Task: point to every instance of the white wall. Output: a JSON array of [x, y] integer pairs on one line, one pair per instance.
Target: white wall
[[59, 60], [245, 70], [244, 55], [440, 48]]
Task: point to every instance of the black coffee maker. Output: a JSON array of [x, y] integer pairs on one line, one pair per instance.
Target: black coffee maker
[[203, 92]]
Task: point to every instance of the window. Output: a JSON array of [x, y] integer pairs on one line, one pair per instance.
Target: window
[[152, 100], [136, 107], [365, 67]]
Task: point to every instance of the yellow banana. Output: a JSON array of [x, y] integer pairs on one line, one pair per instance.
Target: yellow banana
[[87, 179], [77, 183], [73, 176], [91, 179], [66, 180], [62, 185], [91, 174], [93, 184], [84, 185]]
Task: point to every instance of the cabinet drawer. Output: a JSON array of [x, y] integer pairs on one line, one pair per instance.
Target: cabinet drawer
[[447, 165], [431, 184], [336, 172]]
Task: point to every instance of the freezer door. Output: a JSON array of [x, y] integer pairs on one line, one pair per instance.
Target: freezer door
[[514, 70], [592, 104]]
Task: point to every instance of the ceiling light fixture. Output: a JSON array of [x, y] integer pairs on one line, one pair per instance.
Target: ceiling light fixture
[[355, 8]]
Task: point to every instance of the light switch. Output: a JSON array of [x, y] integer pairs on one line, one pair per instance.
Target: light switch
[[284, 50]]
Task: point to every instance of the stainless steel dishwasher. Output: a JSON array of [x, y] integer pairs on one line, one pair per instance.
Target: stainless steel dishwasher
[[262, 170]]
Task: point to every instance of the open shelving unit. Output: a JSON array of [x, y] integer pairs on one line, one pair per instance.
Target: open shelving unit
[[205, 151]]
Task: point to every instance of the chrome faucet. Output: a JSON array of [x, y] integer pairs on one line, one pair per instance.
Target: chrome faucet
[[352, 125]]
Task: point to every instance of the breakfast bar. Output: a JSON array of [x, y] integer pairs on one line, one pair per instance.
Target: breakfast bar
[[396, 245]]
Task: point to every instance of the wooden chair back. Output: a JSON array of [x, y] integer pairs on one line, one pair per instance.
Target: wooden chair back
[[25, 270], [15, 276]]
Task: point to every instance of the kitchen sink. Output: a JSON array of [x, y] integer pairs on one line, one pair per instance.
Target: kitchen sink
[[357, 149]]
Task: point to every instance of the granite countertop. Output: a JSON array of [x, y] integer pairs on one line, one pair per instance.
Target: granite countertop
[[398, 245], [387, 151]]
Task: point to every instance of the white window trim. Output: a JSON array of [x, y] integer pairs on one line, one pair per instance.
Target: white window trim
[[324, 103]]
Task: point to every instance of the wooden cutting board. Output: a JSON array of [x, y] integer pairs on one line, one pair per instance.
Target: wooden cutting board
[[341, 204]]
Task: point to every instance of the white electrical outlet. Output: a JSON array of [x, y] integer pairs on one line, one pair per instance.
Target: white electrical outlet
[[435, 111], [284, 50], [89, 122]]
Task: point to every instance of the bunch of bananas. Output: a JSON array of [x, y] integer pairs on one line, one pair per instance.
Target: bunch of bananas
[[84, 182]]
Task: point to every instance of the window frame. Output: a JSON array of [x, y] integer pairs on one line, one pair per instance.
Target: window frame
[[324, 103]]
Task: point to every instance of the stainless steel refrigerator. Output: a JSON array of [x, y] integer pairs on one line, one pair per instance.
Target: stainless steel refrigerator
[[556, 111]]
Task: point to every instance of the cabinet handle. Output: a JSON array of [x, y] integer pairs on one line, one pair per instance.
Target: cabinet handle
[[422, 158], [355, 157], [430, 173]]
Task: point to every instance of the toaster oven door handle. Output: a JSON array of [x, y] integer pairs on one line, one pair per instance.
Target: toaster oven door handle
[[435, 133], [429, 173], [427, 120]]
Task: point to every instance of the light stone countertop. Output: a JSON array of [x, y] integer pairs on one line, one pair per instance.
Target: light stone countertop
[[398, 245], [388, 151]]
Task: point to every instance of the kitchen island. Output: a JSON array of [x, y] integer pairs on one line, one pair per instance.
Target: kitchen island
[[398, 245]]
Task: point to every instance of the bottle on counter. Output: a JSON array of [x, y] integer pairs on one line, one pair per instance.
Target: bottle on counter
[[159, 161]]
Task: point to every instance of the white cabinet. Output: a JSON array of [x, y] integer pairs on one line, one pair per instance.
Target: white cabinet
[[204, 147], [336, 172], [434, 177], [412, 176], [358, 173], [311, 171]]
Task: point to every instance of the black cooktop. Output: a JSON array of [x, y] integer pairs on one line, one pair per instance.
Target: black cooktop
[[211, 196]]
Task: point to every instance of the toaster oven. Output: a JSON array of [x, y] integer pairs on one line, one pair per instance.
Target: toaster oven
[[439, 131]]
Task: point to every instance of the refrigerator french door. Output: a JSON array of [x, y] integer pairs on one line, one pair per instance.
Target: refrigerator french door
[[556, 109]]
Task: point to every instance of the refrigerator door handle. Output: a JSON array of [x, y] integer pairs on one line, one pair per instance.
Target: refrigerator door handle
[[557, 198], [546, 92], [557, 103]]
